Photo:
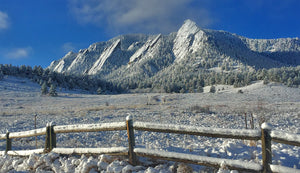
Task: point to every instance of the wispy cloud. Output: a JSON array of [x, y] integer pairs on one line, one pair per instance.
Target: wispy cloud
[[138, 15], [67, 47], [3, 20], [18, 53]]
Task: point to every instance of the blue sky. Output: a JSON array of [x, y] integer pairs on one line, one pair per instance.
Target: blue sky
[[36, 32]]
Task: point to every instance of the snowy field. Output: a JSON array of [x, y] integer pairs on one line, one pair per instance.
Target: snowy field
[[20, 101]]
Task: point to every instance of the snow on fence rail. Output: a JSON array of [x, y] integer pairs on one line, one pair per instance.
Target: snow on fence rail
[[29, 133], [111, 151], [90, 127], [266, 135], [285, 138], [2, 136], [24, 152], [199, 131], [200, 160]]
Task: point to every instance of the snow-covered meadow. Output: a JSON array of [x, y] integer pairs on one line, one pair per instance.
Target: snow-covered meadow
[[20, 101]]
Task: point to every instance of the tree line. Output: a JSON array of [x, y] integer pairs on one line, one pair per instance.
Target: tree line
[[180, 79], [48, 79]]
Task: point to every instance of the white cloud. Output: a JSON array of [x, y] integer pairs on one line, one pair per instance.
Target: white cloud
[[3, 20], [18, 53], [138, 15], [67, 47]]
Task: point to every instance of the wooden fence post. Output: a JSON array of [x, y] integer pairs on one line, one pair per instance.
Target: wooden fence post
[[35, 128], [46, 149], [131, 141], [252, 121], [52, 137], [50, 142], [8, 143], [246, 120], [266, 146]]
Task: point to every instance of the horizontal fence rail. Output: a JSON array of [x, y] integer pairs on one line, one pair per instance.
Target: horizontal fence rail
[[200, 160], [283, 169], [29, 133], [266, 135], [25, 152], [2, 136], [110, 151], [285, 138], [199, 131], [90, 127]]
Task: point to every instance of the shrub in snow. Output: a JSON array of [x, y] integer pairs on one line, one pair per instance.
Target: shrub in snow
[[87, 165], [6, 163], [128, 169], [102, 165], [184, 168], [116, 166], [200, 109], [68, 165], [30, 163], [212, 89], [75, 162], [151, 170], [106, 158], [16, 163], [223, 168]]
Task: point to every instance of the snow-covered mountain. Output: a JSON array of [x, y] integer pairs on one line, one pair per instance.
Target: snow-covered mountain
[[146, 55]]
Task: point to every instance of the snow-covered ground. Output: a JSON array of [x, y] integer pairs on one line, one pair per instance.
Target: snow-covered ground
[[20, 100]]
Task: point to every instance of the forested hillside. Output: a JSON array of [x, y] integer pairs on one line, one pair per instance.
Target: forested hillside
[[184, 81]]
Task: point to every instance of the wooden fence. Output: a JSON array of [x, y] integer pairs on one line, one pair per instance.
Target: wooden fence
[[266, 135]]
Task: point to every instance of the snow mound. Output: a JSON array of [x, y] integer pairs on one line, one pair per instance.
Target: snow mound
[[53, 162]]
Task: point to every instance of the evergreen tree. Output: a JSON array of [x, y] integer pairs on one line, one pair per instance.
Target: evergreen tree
[[266, 81], [1, 75], [191, 90], [99, 91], [212, 89], [182, 90], [52, 91], [44, 88], [200, 89], [290, 82]]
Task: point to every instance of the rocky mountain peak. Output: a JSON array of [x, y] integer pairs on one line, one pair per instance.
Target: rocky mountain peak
[[187, 40], [188, 27], [139, 55]]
